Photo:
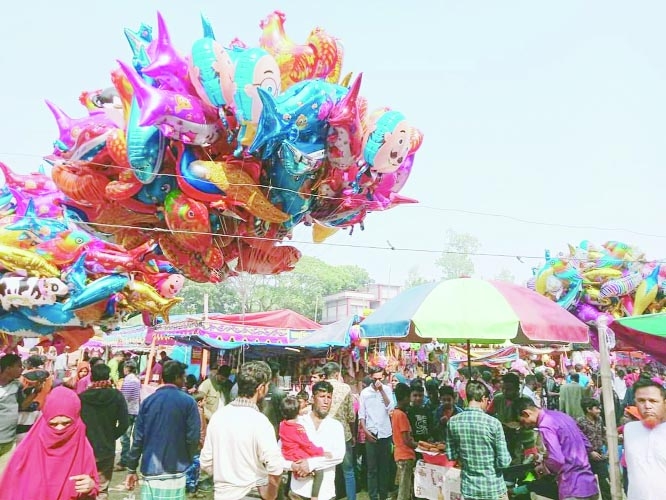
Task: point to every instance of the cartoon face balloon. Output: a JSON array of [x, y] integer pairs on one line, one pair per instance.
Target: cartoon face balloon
[[211, 69], [255, 68], [388, 141]]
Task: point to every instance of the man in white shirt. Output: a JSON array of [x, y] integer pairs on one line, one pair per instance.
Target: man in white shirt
[[323, 431], [240, 450], [528, 390], [645, 443], [376, 405], [619, 385], [60, 365]]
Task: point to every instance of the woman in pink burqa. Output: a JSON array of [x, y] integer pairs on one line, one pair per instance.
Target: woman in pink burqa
[[55, 460]]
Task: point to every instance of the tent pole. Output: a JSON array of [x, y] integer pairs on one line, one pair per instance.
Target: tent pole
[[469, 361], [609, 410], [151, 360]]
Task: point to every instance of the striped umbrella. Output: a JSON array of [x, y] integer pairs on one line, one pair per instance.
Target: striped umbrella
[[474, 310]]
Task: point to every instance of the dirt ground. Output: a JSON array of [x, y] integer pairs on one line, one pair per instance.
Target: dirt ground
[[117, 490]]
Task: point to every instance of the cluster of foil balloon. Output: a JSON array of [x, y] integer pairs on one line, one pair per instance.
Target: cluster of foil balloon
[[57, 277], [613, 280], [218, 153]]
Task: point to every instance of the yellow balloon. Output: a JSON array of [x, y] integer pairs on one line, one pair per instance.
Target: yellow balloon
[[17, 259], [601, 274], [320, 233], [143, 297], [644, 297]]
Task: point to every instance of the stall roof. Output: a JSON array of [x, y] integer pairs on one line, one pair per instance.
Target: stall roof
[[281, 318], [280, 328]]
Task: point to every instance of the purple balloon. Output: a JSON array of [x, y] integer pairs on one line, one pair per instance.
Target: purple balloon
[[70, 128], [588, 313], [167, 66], [178, 116]]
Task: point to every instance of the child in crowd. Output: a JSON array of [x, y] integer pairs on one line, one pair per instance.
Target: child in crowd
[[295, 442], [304, 401], [404, 444], [420, 417]]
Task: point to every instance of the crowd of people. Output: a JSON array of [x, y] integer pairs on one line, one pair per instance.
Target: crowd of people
[[243, 435]]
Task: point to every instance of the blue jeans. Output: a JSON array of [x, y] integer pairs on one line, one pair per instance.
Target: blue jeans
[[125, 441], [349, 472]]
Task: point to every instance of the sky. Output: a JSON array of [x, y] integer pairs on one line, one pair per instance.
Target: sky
[[543, 122]]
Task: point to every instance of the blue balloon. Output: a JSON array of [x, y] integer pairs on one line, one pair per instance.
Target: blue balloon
[[298, 116], [138, 41], [155, 193], [50, 315], [45, 229], [292, 195], [145, 146], [75, 275], [96, 291], [14, 323], [205, 54], [187, 179]]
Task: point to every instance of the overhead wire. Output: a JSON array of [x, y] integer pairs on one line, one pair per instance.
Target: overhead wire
[[390, 247]]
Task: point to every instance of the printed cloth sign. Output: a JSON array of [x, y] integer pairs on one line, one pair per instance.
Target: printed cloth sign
[[436, 482]]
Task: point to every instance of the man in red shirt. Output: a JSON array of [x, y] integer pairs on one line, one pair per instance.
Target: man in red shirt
[[404, 454]]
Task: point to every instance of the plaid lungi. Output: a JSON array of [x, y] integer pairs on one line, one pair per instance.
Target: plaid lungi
[[163, 487]]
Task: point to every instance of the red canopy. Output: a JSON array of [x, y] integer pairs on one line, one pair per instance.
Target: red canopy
[[282, 318]]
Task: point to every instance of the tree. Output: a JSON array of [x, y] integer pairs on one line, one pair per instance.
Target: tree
[[456, 259], [301, 290], [505, 275], [414, 278], [222, 298]]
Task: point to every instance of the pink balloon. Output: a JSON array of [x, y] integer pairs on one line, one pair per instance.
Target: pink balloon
[[171, 285], [69, 128], [354, 333], [345, 140], [167, 66], [178, 116]]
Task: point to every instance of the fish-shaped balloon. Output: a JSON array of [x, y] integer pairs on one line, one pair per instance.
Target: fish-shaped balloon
[[143, 297], [188, 220], [178, 116], [239, 189], [96, 291], [646, 292], [24, 261], [65, 248]]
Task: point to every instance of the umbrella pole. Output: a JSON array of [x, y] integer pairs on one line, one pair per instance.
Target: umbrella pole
[[469, 362], [609, 410]]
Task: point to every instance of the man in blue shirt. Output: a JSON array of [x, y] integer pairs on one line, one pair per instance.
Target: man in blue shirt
[[166, 436]]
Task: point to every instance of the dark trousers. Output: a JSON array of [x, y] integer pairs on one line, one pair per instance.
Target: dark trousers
[[105, 472], [600, 468], [378, 455]]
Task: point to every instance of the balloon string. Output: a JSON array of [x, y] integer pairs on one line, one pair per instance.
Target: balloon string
[[419, 206]]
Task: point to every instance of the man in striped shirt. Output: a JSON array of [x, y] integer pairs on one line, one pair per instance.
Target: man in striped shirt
[[131, 389]]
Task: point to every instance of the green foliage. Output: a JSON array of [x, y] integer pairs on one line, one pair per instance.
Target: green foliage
[[456, 259], [414, 278], [301, 290]]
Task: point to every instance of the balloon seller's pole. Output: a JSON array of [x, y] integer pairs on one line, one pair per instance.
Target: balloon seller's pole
[[151, 361], [609, 409], [204, 352], [469, 362]]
